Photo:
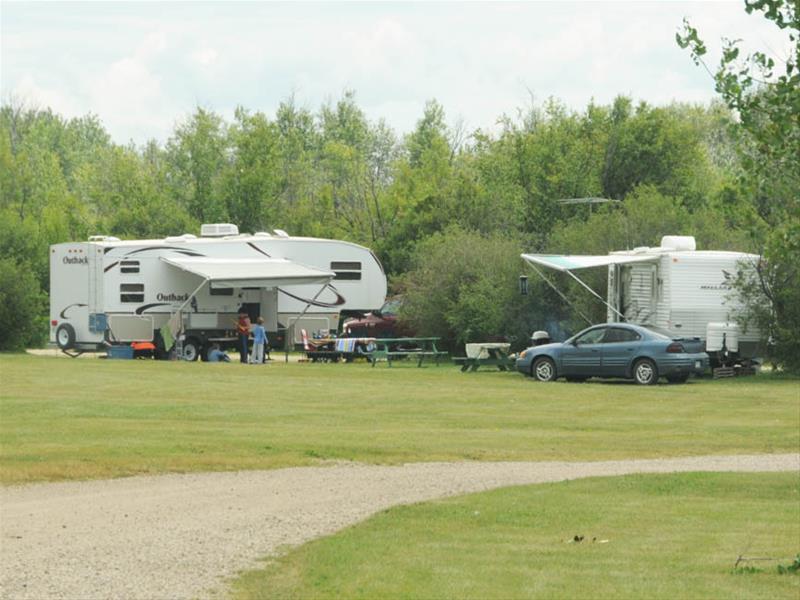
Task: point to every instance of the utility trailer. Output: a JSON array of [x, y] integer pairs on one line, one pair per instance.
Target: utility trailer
[[108, 291], [673, 288]]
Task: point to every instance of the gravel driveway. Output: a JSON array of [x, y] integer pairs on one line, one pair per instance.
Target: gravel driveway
[[181, 536]]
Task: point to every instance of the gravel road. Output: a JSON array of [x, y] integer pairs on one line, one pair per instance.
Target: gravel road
[[181, 536]]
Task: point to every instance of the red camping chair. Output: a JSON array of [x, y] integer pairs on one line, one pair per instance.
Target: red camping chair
[[306, 346]]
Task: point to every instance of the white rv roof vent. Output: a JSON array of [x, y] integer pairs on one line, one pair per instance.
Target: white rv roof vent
[[262, 234], [103, 238], [189, 236], [678, 243], [280, 233], [174, 239], [218, 229]]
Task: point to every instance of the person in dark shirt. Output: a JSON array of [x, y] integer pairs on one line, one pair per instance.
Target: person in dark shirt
[[243, 329]]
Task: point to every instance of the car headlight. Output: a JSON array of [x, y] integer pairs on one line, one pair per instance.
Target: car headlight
[[523, 353]]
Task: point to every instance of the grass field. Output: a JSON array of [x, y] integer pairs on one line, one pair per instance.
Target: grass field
[[72, 419], [669, 536]]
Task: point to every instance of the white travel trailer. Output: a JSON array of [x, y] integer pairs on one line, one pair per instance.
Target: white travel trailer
[[673, 288], [105, 290]]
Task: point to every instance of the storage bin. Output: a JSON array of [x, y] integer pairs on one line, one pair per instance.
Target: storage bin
[[119, 352]]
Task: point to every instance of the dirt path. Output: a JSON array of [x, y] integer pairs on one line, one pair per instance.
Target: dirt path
[[180, 536]]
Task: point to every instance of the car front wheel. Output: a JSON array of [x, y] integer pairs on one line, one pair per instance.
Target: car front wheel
[[544, 369], [645, 372]]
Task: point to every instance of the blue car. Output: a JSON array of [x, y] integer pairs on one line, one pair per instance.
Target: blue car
[[615, 350]]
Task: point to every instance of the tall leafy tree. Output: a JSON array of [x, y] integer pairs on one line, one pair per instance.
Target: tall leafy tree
[[764, 92], [197, 154]]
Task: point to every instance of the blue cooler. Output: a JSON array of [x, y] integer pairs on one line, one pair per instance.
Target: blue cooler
[[119, 352]]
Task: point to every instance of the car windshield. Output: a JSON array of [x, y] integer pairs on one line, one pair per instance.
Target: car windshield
[[391, 307]]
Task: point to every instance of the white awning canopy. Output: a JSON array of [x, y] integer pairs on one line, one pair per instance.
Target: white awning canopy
[[250, 272], [561, 262]]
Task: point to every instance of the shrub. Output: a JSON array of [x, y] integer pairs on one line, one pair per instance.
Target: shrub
[[21, 306]]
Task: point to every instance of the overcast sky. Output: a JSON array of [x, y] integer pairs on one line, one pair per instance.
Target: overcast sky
[[143, 66]]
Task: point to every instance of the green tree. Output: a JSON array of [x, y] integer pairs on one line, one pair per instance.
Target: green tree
[[659, 146], [252, 180], [197, 154], [765, 96], [463, 287], [21, 304]]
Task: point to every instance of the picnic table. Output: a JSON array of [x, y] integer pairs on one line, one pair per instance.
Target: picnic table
[[485, 354], [420, 348], [333, 349]]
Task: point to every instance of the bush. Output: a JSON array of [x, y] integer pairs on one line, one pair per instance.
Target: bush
[[463, 287], [771, 295], [21, 306]]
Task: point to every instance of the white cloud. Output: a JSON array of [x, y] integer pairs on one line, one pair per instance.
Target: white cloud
[[142, 66], [205, 56], [31, 94], [129, 98]]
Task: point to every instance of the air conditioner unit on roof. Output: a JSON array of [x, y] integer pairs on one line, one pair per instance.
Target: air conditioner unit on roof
[[218, 229]]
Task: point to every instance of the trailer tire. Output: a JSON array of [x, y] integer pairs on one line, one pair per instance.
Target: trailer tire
[[65, 336], [191, 350]]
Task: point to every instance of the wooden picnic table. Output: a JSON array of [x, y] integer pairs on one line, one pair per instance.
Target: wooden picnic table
[[486, 354], [391, 349]]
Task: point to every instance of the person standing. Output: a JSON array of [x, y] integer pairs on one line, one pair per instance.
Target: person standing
[[259, 341], [243, 329]]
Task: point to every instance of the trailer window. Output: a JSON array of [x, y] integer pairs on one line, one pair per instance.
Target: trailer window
[[345, 270], [221, 291], [131, 292], [129, 266]]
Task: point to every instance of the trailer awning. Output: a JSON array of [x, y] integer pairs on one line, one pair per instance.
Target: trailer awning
[[250, 272], [561, 262]]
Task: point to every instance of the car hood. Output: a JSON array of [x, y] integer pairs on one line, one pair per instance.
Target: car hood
[[550, 346]]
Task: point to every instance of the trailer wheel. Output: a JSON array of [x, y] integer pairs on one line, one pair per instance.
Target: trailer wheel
[[65, 336], [645, 372], [191, 350]]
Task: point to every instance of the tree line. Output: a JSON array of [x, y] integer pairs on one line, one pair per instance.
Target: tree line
[[447, 210]]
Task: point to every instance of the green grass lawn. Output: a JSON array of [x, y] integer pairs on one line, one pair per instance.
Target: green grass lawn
[[669, 536], [71, 419]]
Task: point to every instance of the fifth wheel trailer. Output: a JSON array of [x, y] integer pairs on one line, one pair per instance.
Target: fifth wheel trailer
[[673, 288], [108, 290]]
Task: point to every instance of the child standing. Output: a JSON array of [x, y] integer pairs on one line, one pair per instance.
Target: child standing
[[259, 341]]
